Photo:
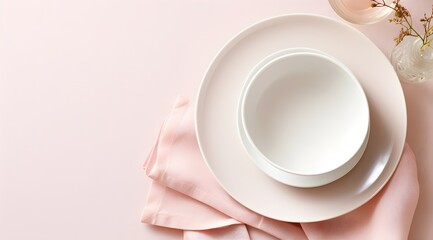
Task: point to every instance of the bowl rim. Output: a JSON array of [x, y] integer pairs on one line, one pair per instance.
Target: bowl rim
[[258, 69]]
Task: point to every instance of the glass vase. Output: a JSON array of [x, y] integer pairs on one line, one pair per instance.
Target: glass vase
[[412, 63]]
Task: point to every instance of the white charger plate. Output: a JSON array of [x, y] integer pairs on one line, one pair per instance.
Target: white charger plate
[[216, 118]]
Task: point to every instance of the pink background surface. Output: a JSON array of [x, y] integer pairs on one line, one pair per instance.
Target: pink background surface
[[85, 86]]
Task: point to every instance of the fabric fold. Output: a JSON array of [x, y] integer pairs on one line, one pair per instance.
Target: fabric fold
[[184, 213], [185, 195], [233, 232], [185, 171]]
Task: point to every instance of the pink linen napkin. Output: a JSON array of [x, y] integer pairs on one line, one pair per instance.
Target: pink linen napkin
[[185, 195]]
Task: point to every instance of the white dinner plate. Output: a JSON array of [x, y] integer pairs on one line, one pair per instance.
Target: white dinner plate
[[216, 118]]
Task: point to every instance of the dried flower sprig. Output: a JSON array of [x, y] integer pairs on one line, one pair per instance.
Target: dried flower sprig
[[403, 18]]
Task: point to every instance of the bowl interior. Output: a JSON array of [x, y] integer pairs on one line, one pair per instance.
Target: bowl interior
[[306, 113]]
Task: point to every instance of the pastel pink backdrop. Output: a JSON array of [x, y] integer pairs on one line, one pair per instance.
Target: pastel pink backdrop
[[85, 86]]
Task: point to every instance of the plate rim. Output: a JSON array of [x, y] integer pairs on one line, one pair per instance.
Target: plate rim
[[238, 37]]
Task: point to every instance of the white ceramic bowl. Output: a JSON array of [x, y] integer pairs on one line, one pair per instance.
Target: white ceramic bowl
[[303, 118]]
